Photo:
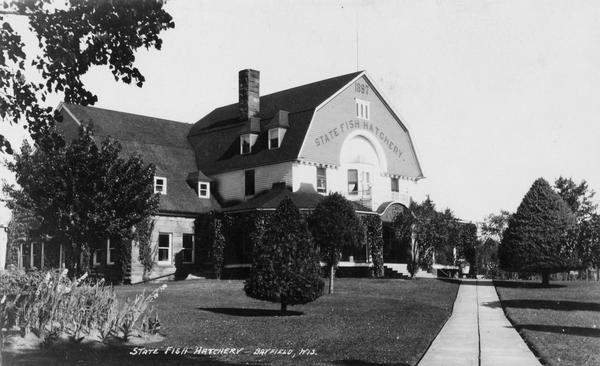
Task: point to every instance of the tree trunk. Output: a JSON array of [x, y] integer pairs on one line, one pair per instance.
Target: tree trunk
[[283, 308], [545, 279], [331, 275]]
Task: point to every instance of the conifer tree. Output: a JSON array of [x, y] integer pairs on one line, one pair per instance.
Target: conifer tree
[[539, 235], [285, 266], [334, 225]]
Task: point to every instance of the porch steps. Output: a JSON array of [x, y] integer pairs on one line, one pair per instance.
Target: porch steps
[[393, 272]]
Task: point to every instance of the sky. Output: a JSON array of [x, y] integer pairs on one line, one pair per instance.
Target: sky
[[495, 93]]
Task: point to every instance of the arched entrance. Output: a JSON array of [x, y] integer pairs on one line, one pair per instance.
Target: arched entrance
[[395, 250], [361, 163]]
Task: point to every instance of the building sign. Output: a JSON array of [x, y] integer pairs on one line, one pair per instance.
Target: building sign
[[339, 118], [362, 88], [352, 125]]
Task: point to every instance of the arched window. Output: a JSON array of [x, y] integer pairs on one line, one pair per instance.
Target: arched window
[[359, 150]]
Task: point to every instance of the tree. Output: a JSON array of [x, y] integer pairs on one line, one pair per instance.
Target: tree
[[578, 196], [589, 241], [81, 192], [334, 225], [539, 235], [494, 225], [285, 266], [492, 232], [428, 231], [83, 34], [467, 243], [580, 199]]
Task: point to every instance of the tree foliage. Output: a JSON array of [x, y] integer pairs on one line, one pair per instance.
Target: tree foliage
[[492, 232], [579, 197], [494, 225], [588, 241], [539, 235], [71, 40], [82, 192], [285, 267], [334, 225], [430, 233], [467, 243]]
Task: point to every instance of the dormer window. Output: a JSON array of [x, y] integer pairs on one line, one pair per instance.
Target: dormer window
[[160, 185], [246, 142], [203, 189], [275, 137], [362, 109]]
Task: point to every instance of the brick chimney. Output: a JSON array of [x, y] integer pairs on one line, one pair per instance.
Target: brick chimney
[[249, 103]]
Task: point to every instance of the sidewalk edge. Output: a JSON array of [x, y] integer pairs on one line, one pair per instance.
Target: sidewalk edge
[[529, 345], [443, 325]]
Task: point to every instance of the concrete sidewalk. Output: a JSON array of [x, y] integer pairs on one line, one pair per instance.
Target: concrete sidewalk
[[478, 333]]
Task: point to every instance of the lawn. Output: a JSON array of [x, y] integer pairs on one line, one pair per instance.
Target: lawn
[[367, 321], [561, 323]]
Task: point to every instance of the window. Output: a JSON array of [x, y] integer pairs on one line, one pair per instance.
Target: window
[[246, 142], [352, 181], [31, 255], [99, 256], [203, 190], [188, 248], [321, 180], [273, 138], [276, 137], [164, 248], [160, 185], [249, 182], [105, 253], [362, 109], [110, 251], [37, 255], [61, 256], [395, 187]]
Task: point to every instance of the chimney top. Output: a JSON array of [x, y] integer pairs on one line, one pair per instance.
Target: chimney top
[[249, 93]]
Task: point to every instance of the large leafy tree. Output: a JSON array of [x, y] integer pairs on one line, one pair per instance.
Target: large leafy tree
[[285, 267], [81, 192], [465, 234], [429, 232], [579, 197], [71, 40], [492, 232], [588, 241], [539, 235], [334, 225]]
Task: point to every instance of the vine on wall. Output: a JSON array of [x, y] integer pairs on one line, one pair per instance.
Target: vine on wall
[[143, 235], [124, 261], [217, 240], [374, 239]]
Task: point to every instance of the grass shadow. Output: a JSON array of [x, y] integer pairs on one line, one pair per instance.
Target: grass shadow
[[546, 304], [251, 312], [577, 331], [366, 363], [525, 284], [466, 282]]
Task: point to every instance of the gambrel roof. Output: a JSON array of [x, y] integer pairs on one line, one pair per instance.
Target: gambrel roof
[[183, 152], [215, 137]]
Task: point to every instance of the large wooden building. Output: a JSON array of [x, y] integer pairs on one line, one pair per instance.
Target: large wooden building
[[334, 135]]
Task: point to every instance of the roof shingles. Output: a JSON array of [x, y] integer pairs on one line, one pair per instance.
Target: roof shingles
[[161, 142], [215, 138]]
